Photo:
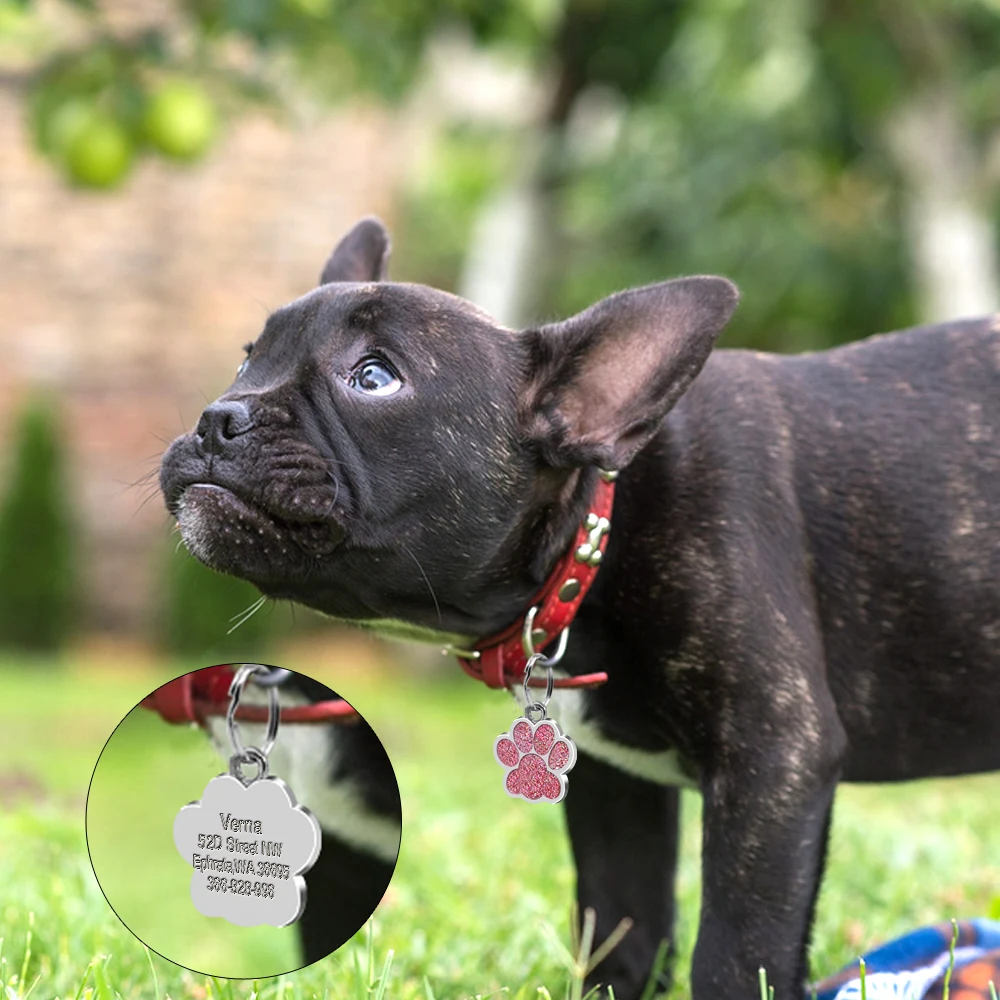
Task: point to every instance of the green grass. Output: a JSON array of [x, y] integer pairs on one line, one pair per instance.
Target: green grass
[[481, 898]]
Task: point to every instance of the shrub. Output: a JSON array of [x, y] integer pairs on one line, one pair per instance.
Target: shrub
[[37, 565]]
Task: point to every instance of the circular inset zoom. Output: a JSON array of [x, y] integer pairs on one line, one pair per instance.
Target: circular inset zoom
[[256, 837]]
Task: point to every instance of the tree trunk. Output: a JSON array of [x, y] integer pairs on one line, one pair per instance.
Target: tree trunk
[[500, 271], [952, 240], [516, 236]]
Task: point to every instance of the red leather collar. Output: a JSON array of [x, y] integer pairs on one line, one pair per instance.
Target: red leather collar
[[501, 661], [196, 696]]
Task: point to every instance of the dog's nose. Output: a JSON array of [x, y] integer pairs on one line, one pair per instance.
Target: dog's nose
[[222, 421]]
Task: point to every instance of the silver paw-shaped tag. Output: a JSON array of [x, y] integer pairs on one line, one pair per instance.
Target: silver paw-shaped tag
[[249, 845]]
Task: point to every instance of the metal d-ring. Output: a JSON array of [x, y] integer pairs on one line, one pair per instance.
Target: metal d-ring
[[239, 682], [534, 657], [250, 755], [271, 676], [528, 643], [529, 704]]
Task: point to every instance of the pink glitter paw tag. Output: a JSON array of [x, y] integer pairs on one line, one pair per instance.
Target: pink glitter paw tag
[[536, 757]]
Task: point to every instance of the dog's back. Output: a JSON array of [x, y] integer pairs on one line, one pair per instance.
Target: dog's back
[[885, 456]]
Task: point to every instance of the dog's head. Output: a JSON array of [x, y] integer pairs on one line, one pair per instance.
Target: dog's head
[[388, 452]]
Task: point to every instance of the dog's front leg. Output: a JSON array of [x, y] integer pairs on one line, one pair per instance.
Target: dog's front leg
[[766, 823], [624, 835]]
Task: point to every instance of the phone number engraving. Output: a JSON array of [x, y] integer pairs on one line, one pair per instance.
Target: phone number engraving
[[241, 887]]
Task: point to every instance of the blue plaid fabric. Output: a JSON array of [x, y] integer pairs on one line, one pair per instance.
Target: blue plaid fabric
[[913, 967]]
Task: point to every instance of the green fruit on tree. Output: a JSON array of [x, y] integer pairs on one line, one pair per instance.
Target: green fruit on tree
[[181, 120], [100, 153], [66, 122]]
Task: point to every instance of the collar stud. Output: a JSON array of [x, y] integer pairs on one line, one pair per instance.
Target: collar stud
[[590, 551]]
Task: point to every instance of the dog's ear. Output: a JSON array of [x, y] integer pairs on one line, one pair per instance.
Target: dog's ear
[[362, 255], [600, 383]]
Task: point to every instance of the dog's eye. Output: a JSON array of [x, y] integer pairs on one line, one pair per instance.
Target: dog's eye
[[374, 377]]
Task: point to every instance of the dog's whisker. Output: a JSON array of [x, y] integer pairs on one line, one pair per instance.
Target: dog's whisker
[[437, 607], [263, 305], [151, 478], [251, 608], [143, 504], [144, 478], [336, 494], [147, 484], [246, 614]]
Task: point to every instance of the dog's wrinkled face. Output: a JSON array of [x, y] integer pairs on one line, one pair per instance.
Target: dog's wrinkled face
[[388, 452]]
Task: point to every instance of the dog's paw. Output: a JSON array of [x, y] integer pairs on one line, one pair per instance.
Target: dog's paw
[[536, 756]]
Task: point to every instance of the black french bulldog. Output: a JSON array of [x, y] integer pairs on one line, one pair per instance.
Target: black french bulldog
[[802, 582]]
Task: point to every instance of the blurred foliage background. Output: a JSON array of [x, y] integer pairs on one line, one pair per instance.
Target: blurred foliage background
[[839, 159]]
